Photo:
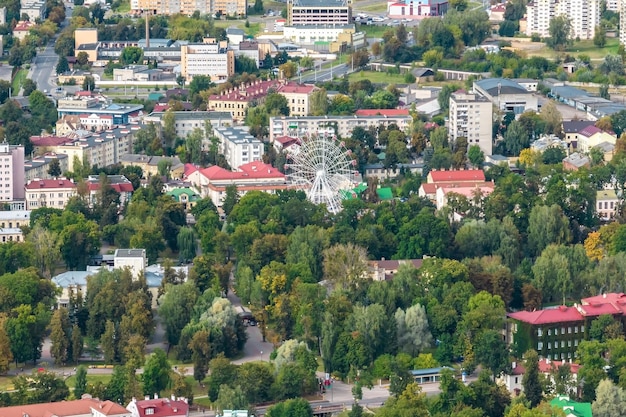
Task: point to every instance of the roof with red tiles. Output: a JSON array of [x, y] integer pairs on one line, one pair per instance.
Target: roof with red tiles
[[23, 25], [252, 170], [469, 190], [286, 141], [546, 366], [457, 175], [246, 93], [124, 187], [294, 88], [50, 140], [159, 107], [429, 188], [162, 407], [562, 314], [189, 169], [50, 184], [592, 310], [604, 298], [66, 409], [382, 112]]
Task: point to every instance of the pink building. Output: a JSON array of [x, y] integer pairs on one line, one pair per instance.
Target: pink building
[[12, 170], [416, 9]]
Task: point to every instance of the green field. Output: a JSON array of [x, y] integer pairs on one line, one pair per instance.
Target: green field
[[580, 48], [377, 77], [92, 379], [373, 31], [19, 78], [239, 24], [372, 8], [124, 7]]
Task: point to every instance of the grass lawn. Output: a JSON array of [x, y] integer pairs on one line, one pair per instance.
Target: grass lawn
[[71, 381], [239, 24], [377, 77], [373, 31], [19, 78], [372, 8], [581, 48], [204, 402]]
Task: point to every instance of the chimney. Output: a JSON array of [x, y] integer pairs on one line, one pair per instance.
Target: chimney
[[147, 397], [604, 295], [156, 396], [173, 397], [514, 365]]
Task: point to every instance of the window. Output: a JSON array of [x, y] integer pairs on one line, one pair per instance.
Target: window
[[549, 332], [539, 345], [149, 411], [550, 345], [582, 329], [575, 329], [569, 330], [562, 343], [562, 330]]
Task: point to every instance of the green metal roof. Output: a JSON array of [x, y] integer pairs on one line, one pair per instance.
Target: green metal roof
[[571, 407], [177, 192], [385, 193]]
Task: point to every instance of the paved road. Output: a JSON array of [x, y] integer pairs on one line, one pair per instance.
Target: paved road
[[43, 68], [325, 74]]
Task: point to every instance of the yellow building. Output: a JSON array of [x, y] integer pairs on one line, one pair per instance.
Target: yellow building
[[188, 7], [85, 36]]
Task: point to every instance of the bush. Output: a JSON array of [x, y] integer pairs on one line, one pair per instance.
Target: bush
[[535, 37], [409, 78]]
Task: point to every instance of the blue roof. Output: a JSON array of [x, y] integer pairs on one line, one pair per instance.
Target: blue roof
[[68, 278]]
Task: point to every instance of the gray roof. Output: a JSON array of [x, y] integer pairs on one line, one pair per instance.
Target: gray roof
[[236, 134], [605, 147], [235, 31], [577, 159], [15, 214], [569, 92], [575, 126], [68, 278], [496, 86], [112, 108], [130, 253]]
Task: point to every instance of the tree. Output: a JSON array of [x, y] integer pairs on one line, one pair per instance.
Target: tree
[[131, 55], [199, 83], [77, 343], [599, 37], [530, 380], [516, 138], [547, 225], [476, 156], [276, 105], [610, 400], [89, 83], [319, 102], [29, 86], [553, 155], [107, 342], [46, 249], [54, 169], [186, 241], [231, 398], [59, 336], [560, 30], [231, 198], [412, 329], [62, 66], [6, 356], [552, 118], [492, 352], [80, 386], [201, 354], [156, 373]]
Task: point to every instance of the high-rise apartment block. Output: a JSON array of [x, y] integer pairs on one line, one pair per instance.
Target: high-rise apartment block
[[11, 172], [188, 7], [471, 117], [584, 16]]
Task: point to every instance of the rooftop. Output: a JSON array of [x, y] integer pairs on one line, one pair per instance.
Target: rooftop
[[457, 175], [249, 171], [194, 115], [578, 160], [575, 126], [50, 184], [130, 253], [160, 407], [562, 314], [497, 86], [235, 135], [80, 407], [608, 195], [320, 3], [382, 112]]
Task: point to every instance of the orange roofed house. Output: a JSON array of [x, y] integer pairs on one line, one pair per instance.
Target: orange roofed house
[[78, 408], [556, 332], [468, 183], [253, 176], [159, 407]]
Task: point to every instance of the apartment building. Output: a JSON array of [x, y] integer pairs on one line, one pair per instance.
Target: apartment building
[[297, 97], [54, 193], [98, 149], [584, 16], [340, 125], [319, 12], [212, 59], [238, 146], [187, 121], [11, 172], [188, 7], [471, 117], [35, 9], [38, 166]]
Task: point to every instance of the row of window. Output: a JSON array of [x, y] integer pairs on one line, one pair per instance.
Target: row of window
[[556, 331], [550, 345]]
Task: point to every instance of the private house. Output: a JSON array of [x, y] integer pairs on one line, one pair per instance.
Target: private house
[[576, 161], [513, 380], [119, 183], [185, 196], [607, 204], [159, 407], [11, 224], [67, 124], [257, 176], [592, 136], [572, 128], [384, 270], [22, 29], [451, 178], [150, 164], [91, 407]]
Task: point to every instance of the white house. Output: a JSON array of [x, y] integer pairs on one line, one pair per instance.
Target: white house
[[513, 381], [135, 259]]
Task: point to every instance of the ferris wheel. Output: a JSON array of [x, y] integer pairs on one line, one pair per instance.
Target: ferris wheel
[[322, 167]]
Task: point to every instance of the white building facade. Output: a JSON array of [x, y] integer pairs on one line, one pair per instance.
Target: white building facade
[[238, 146], [471, 117], [584, 16], [212, 59]]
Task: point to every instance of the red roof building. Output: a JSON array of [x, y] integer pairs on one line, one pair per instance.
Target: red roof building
[[513, 380], [40, 142], [382, 112], [159, 407], [467, 175], [76, 408], [53, 193], [253, 176]]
